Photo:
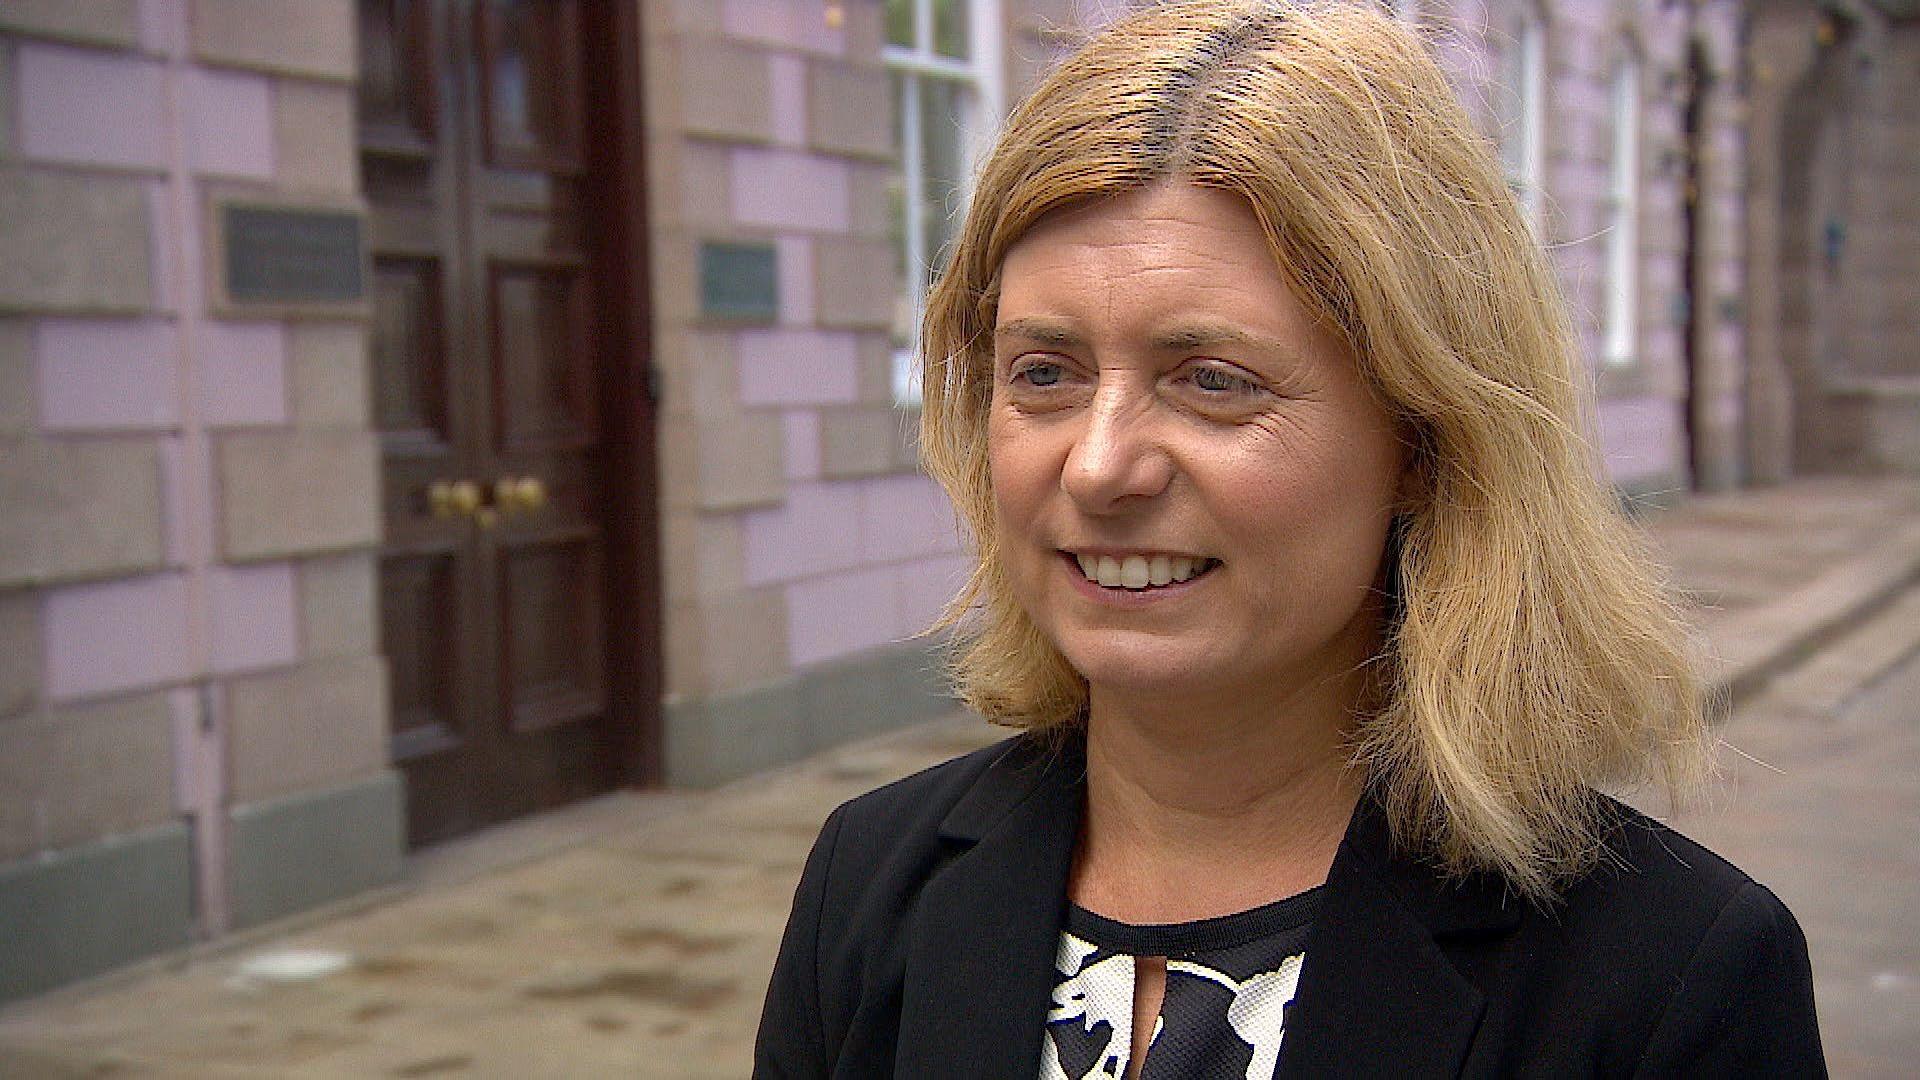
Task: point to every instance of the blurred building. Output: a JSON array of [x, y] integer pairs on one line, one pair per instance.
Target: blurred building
[[417, 414]]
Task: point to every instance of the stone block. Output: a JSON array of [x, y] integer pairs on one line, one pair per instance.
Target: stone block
[[703, 186], [867, 440], [710, 740], [871, 189], [329, 374], [787, 98], [74, 775], [296, 492], [802, 427], [674, 257], [850, 109], [778, 188], [19, 651], [875, 357], [724, 643], [9, 100], [107, 374], [313, 137], [842, 615], [338, 610], [723, 464], [854, 282], [253, 613], [683, 652], [863, 696], [786, 367], [700, 16], [313, 37], [80, 509], [746, 639], [88, 910], [291, 854], [726, 91], [701, 554], [74, 242], [713, 739], [91, 22], [307, 727], [19, 389], [787, 24], [816, 530], [89, 107], [104, 638], [701, 374], [229, 122]]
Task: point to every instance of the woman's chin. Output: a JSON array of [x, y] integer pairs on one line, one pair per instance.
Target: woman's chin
[[1146, 674]]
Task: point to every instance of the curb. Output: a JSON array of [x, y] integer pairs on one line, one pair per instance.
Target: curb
[[1777, 635]]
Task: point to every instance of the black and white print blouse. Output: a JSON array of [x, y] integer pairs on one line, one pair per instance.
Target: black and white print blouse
[[1230, 982]]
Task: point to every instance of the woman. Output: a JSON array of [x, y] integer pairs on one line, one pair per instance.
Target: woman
[[1295, 573]]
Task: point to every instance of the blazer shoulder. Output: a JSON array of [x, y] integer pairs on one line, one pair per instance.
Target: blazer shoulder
[[1649, 857], [966, 793]]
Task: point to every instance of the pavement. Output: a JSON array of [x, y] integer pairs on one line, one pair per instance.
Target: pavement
[[633, 934]]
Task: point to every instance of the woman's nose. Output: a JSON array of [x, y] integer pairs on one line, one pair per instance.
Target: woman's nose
[[1116, 455]]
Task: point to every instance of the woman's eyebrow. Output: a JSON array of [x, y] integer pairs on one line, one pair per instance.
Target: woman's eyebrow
[[1206, 337], [1038, 332]]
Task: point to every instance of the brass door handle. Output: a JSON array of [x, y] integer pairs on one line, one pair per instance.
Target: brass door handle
[[451, 498], [525, 493]]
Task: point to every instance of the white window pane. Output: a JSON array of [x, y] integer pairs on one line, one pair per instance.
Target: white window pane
[[944, 165]]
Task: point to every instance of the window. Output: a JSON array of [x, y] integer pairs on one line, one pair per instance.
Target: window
[[944, 57], [1523, 120], [1623, 212]]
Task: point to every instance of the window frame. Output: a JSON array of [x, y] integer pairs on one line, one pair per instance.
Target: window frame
[[982, 77], [1620, 333], [1526, 137]]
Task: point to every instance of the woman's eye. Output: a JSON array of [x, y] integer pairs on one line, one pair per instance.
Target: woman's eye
[[1041, 374], [1218, 381]]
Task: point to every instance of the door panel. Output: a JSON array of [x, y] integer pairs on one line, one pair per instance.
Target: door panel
[[543, 398], [495, 602]]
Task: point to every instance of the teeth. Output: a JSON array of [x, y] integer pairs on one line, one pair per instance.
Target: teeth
[[1140, 571]]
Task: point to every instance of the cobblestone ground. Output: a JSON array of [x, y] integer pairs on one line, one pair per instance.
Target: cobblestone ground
[[638, 943]]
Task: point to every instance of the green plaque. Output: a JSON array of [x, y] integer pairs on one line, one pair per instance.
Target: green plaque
[[292, 255], [739, 281]]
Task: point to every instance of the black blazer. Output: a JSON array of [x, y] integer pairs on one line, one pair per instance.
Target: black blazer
[[924, 929]]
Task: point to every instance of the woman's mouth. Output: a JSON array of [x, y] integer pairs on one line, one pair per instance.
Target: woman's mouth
[[1138, 572]]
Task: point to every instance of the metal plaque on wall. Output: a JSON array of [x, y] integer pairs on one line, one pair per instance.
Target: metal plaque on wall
[[292, 255]]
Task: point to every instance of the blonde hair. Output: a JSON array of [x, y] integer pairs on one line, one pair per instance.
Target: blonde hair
[[1531, 653]]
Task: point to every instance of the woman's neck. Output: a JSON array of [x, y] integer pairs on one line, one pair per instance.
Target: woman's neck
[[1207, 809]]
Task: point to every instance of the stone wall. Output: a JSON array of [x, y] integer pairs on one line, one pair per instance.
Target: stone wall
[[798, 534], [186, 589], [1834, 376]]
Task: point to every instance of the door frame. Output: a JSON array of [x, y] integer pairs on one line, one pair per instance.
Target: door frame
[[615, 147]]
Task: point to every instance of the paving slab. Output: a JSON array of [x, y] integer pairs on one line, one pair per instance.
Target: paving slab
[[634, 935]]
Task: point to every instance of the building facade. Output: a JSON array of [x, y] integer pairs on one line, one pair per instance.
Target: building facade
[[416, 414]]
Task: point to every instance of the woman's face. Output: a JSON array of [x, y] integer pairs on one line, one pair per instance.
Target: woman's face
[[1193, 485]]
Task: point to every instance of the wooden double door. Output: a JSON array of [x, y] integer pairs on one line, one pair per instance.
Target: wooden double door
[[509, 352]]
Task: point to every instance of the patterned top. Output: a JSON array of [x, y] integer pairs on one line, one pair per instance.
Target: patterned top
[[1230, 982]]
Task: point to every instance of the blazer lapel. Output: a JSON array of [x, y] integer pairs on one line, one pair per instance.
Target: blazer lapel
[[981, 948], [1377, 995]]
